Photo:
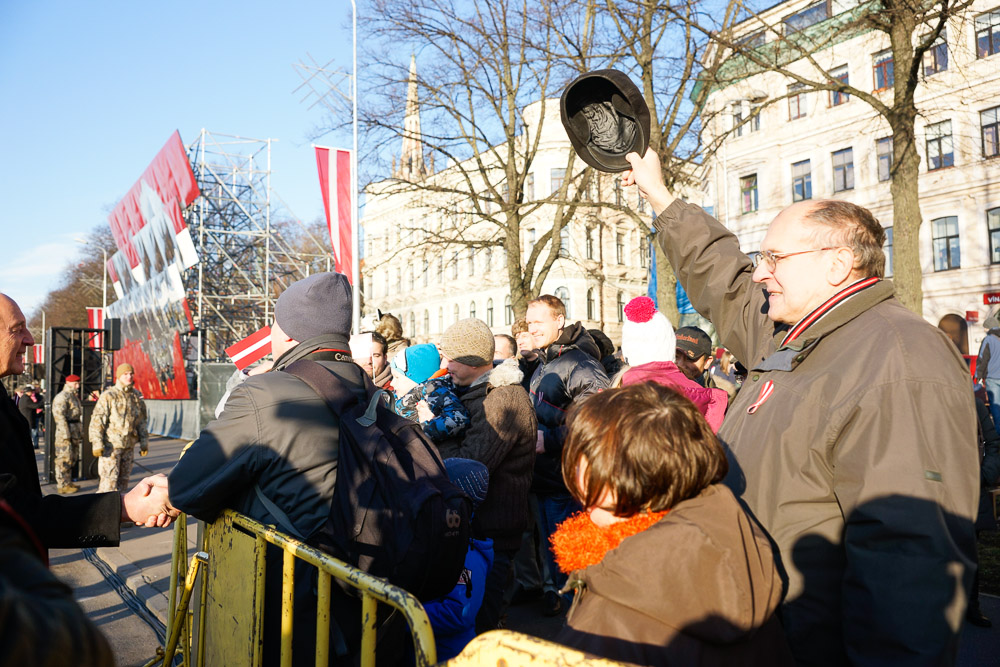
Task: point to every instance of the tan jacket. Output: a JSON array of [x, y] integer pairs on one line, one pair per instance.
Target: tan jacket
[[119, 420], [861, 465], [67, 414], [699, 587]]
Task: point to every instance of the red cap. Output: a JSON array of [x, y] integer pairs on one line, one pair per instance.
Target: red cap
[[72, 378]]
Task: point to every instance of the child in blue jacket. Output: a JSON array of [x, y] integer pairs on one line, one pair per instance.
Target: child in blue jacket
[[453, 617], [412, 369]]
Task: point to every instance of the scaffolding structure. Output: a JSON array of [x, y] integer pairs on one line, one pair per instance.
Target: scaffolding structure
[[244, 262]]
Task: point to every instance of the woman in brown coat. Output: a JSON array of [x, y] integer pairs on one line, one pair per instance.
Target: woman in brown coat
[[667, 568]]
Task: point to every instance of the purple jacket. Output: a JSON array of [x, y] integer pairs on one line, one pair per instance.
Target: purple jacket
[[710, 402]]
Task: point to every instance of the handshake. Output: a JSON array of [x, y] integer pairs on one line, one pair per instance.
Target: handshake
[[148, 503]]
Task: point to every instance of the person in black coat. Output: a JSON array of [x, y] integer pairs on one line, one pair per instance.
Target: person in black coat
[[29, 405], [569, 370], [989, 445], [91, 520]]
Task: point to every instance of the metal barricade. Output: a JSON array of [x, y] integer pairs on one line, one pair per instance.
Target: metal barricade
[[230, 610], [502, 647]]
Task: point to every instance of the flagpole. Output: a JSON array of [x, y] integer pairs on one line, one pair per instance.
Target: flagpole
[[356, 260]]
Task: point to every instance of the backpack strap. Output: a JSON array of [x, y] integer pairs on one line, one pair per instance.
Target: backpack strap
[[338, 397], [277, 513]]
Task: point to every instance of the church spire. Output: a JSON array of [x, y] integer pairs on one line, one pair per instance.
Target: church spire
[[411, 165]]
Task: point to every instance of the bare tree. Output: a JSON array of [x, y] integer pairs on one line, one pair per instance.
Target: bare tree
[[913, 29]]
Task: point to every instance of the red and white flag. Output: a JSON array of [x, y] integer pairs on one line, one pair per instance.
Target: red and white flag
[[95, 319], [39, 352], [335, 182], [253, 348]]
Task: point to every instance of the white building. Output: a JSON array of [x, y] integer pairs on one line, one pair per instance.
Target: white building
[[786, 146], [430, 284]]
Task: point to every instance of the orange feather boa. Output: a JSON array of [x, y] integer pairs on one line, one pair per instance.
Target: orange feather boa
[[578, 542]]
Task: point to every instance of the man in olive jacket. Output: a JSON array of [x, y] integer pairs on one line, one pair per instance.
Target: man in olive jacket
[[501, 436], [853, 439]]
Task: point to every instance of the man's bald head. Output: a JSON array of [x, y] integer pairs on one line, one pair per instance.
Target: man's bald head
[[14, 337]]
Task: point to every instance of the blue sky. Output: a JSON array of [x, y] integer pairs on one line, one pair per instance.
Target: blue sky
[[90, 91]]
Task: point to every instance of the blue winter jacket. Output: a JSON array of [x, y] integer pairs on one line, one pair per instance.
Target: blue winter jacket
[[453, 617]]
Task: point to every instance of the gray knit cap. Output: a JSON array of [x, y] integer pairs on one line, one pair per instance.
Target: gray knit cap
[[313, 306], [469, 342]]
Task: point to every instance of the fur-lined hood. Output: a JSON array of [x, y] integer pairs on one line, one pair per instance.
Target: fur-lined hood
[[506, 373]]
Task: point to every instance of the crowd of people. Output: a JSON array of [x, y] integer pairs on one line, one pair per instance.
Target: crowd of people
[[808, 496]]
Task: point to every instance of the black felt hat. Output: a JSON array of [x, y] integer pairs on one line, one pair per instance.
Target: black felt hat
[[606, 118]]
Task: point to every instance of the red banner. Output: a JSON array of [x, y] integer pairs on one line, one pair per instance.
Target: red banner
[[39, 352], [253, 348], [95, 319], [335, 183]]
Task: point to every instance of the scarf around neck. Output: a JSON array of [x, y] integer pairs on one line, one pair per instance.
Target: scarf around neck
[[579, 542]]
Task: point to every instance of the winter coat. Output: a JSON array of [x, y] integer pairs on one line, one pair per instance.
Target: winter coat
[[29, 407], [699, 587], [989, 466], [42, 624], [453, 617], [277, 434], [570, 370], [501, 436], [61, 522], [710, 402], [854, 446], [450, 416]]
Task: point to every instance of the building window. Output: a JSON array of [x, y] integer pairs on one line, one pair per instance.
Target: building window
[[426, 272], [472, 309], [489, 259], [754, 121], [564, 242], [990, 122], [529, 187], [887, 249], [410, 282], [441, 319], [620, 248], [947, 254], [621, 306], [532, 239], [748, 193], [738, 120], [454, 265], [386, 291], [440, 270], [489, 312], [936, 57], [883, 152], [802, 181], [472, 261], [640, 203], [427, 322], [940, 153], [508, 312], [562, 294], [618, 192], [836, 97], [556, 178], [988, 33], [811, 15], [399, 281], [591, 306], [882, 64], [590, 243], [752, 41], [796, 101], [457, 312], [993, 223], [843, 170], [644, 252]]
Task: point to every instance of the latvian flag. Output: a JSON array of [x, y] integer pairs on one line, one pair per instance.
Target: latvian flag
[[335, 182], [95, 319], [39, 352], [253, 348]]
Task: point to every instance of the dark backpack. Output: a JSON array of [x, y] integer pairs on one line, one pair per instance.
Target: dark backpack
[[395, 514]]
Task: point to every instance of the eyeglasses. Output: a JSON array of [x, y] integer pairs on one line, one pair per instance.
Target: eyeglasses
[[771, 259]]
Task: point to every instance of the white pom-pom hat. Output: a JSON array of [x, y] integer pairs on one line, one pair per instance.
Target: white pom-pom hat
[[646, 334]]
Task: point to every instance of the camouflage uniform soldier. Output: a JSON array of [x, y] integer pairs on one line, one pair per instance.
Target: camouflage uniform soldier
[[118, 423], [67, 414]]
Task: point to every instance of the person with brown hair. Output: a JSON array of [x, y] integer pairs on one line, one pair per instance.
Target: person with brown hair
[[666, 566]]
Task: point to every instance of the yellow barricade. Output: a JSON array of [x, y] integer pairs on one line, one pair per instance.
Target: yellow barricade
[[512, 649], [230, 612]]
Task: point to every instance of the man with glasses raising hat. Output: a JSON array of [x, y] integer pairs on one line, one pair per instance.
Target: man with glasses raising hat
[[853, 439]]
